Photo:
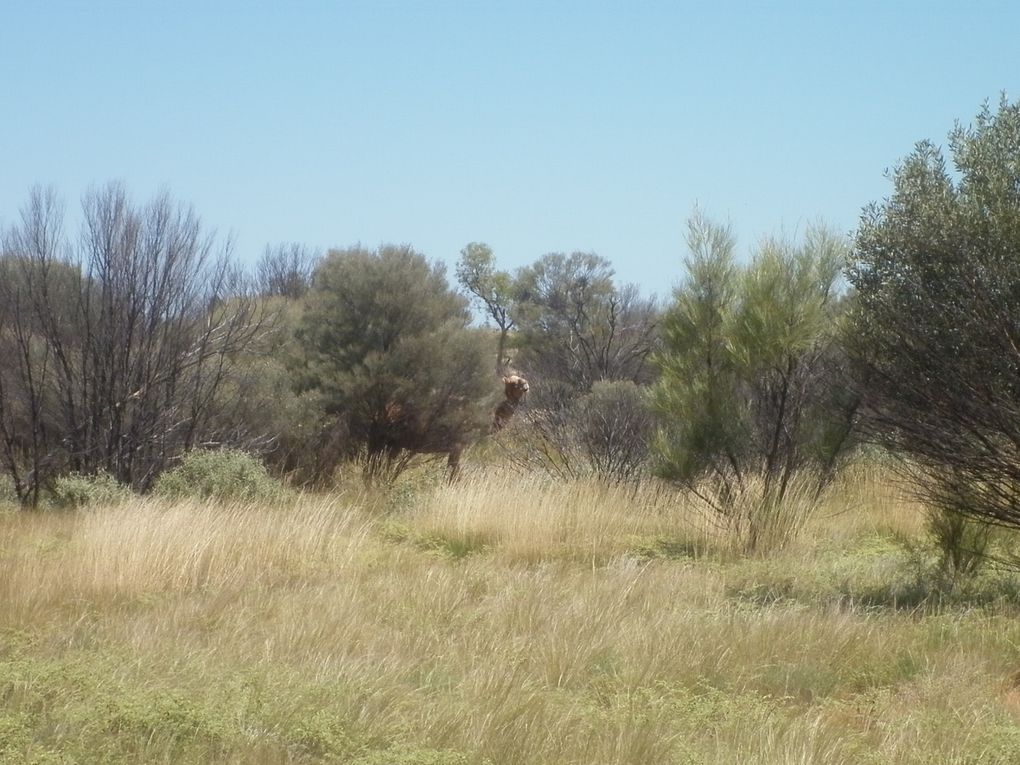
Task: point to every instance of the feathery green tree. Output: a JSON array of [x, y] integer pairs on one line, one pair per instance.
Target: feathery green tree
[[751, 389]]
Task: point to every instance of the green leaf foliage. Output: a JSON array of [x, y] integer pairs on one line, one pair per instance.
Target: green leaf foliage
[[387, 344], [492, 290], [751, 372], [223, 474], [936, 328], [577, 326], [75, 490]]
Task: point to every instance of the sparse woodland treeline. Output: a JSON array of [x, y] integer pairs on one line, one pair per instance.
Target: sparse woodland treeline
[[138, 337]]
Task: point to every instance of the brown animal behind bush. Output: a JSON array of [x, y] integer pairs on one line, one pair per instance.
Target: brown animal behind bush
[[411, 435]]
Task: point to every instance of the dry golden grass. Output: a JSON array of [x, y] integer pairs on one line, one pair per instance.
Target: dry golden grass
[[500, 620], [533, 519]]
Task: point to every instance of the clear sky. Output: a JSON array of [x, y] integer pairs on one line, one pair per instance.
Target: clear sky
[[533, 126]]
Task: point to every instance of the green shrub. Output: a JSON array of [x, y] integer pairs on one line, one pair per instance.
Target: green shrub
[[603, 434], [752, 402], [76, 490], [226, 474], [932, 337]]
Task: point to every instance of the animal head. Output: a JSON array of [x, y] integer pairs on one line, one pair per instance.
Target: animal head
[[516, 387]]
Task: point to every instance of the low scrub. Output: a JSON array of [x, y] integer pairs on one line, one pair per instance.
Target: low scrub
[[224, 474], [604, 434], [75, 490]]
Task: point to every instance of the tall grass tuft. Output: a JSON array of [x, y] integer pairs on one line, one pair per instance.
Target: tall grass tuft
[[538, 519], [756, 517]]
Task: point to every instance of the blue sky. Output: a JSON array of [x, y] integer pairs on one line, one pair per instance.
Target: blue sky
[[533, 126]]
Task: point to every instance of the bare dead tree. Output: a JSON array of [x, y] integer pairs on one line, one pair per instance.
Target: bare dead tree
[[28, 428], [578, 328], [127, 335], [285, 270]]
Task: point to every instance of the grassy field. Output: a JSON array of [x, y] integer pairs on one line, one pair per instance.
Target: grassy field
[[501, 620]]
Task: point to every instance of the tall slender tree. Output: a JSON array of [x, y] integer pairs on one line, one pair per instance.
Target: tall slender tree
[[752, 386], [493, 290]]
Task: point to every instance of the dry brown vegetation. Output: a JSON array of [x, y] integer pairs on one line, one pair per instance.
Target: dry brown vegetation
[[499, 620]]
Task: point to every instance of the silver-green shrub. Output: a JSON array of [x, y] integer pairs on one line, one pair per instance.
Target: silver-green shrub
[[225, 474]]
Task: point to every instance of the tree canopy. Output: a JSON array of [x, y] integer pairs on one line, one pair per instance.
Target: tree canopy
[[936, 327], [578, 327], [751, 384], [387, 343]]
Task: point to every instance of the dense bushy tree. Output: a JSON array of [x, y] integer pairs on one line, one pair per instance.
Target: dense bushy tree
[[290, 429], [752, 385], [115, 343], [387, 345], [936, 328]]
